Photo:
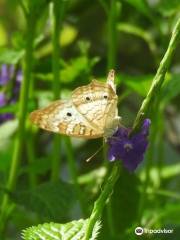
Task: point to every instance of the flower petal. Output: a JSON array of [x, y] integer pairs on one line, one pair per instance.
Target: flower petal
[[129, 149]]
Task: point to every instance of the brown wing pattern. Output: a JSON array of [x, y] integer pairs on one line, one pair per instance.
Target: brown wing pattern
[[62, 117], [91, 112], [94, 102]]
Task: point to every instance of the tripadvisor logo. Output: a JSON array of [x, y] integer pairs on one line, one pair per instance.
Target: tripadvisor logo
[[140, 231]]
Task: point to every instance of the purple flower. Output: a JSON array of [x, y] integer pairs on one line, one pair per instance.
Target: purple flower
[[17, 85], [6, 75], [4, 116], [129, 149], [2, 99], [19, 77]]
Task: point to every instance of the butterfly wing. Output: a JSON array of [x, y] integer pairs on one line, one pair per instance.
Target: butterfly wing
[[91, 113], [62, 117], [97, 103]]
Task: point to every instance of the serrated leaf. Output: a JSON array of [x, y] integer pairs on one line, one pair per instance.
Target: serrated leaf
[[52, 201], [74, 230], [10, 56]]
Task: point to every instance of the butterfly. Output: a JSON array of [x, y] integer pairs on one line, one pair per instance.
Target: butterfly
[[91, 112]]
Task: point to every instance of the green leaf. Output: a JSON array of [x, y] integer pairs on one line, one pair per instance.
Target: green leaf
[[10, 56], [33, 6], [126, 198], [49, 200], [73, 69], [68, 35], [168, 214], [170, 171], [76, 68], [139, 32], [6, 149], [141, 6], [7, 129], [168, 8], [74, 230], [171, 88], [40, 166], [139, 84], [123, 206], [3, 35], [10, 108]]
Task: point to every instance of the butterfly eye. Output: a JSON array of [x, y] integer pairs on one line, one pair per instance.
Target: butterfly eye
[[88, 98], [105, 96], [69, 114]]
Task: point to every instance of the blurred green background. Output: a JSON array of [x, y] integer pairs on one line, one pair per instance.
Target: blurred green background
[[130, 36]]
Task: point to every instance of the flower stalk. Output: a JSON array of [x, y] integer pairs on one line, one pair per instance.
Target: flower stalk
[[101, 201], [142, 114], [158, 79]]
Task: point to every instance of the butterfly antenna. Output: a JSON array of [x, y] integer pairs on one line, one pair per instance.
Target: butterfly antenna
[[110, 79], [89, 159]]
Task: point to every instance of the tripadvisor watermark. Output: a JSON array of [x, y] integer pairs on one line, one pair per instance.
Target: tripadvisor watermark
[[140, 231]]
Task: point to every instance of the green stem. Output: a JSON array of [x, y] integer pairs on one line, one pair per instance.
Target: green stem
[[100, 202], [156, 84], [151, 97], [30, 144], [108, 209], [20, 138], [57, 15], [112, 32], [31, 157], [73, 173], [158, 79], [104, 5]]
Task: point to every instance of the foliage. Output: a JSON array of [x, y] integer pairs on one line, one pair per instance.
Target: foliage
[[53, 231], [61, 45], [52, 201]]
